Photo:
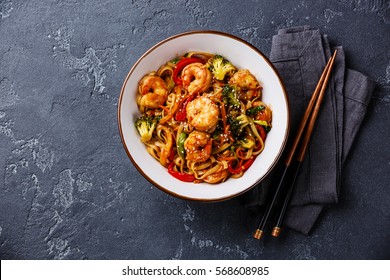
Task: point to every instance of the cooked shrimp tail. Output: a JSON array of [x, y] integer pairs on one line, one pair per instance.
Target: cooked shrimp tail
[[196, 78], [198, 146], [153, 92]]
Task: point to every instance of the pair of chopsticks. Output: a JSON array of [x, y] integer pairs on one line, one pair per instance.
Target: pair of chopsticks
[[308, 122]]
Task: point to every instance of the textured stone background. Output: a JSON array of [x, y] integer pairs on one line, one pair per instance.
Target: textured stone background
[[67, 188]]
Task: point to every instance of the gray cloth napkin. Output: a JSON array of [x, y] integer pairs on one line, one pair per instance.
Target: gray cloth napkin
[[300, 55]]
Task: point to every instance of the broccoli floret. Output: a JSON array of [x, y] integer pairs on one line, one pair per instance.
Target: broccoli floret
[[220, 67], [145, 126], [246, 143], [230, 96], [237, 125]]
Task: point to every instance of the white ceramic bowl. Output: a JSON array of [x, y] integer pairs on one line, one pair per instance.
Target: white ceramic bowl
[[242, 55]]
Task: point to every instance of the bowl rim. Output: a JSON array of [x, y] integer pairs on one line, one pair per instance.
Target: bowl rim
[[219, 33]]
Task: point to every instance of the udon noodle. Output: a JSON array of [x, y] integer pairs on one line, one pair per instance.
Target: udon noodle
[[202, 118]]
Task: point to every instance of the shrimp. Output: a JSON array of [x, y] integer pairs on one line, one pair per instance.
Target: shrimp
[[247, 82], [196, 78], [153, 91], [198, 146], [202, 113], [217, 177]]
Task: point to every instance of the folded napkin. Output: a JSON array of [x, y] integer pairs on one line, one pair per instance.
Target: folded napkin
[[300, 55]]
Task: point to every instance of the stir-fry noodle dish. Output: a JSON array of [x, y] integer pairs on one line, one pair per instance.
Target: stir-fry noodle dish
[[202, 117]]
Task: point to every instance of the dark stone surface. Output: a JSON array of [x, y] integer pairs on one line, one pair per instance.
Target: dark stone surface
[[67, 188]]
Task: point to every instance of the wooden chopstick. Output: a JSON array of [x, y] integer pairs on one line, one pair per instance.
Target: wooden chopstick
[[310, 116], [302, 151], [308, 111], [313, 118]]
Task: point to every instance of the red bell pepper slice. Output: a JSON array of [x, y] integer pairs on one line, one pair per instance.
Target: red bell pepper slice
[[261, 131], [180, 65], [248, 163], [234, 169], [240, 167], [181, 112], [185, 177]]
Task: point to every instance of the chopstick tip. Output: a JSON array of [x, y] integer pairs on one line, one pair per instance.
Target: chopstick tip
[[276, 231], [258, 234], [334, 55]]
